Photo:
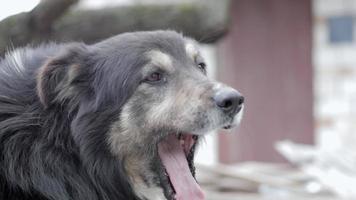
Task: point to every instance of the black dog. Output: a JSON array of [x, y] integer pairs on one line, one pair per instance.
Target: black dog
[[117, 120]]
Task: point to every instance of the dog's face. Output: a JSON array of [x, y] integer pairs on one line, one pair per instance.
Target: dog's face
[[156, 85], [178, 96], [174, 97]]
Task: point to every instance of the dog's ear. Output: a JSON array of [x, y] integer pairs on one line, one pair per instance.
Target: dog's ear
[[56, 78]]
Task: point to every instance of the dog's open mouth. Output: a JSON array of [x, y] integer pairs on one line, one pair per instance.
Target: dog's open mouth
[[174, 151]]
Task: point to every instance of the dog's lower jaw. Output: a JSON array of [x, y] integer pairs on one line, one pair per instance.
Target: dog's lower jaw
[[151, 179]]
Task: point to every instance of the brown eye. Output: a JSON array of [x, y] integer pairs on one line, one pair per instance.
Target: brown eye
[[202, 66], [154, 77]]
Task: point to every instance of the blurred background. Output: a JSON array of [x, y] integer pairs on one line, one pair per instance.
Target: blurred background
[[294, 61]]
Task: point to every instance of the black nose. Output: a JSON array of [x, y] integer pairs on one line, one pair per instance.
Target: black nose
[[228, 100]]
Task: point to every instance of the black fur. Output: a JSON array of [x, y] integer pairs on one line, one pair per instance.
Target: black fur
[[55, 114]]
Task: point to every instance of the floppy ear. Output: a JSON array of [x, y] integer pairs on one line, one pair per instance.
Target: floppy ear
[[56, 77]]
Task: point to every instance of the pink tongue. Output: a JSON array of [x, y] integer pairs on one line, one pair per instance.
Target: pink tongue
[[175, 162]]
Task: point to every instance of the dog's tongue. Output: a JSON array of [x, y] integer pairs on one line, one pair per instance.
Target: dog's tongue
[[174, 160]]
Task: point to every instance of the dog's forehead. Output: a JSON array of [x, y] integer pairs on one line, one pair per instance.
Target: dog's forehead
[[160, 59], [165, 59], [191, 49]]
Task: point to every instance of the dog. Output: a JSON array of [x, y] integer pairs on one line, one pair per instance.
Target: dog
[[119, 119]]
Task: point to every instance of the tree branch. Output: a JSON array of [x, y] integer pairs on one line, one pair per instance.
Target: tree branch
[[47, 11], [206, 23]]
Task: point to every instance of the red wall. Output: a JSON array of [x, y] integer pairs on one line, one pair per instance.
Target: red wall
[[267, 57]]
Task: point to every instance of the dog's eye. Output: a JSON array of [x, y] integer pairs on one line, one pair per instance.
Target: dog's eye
[[202, 66], [154, 77]]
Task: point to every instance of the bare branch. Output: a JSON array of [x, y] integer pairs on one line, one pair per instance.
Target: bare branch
[[93, 25], [47, 11], [206, 23]]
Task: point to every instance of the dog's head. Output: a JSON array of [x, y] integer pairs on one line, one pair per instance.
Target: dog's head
[[150, 94]]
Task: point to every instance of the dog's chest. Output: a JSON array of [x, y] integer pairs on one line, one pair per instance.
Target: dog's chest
[[152, 193]]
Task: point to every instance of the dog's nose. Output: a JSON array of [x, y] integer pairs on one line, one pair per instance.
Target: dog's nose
[[228, 100]]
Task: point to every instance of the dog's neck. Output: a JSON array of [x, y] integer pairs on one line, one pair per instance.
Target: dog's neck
[[142, 178]]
